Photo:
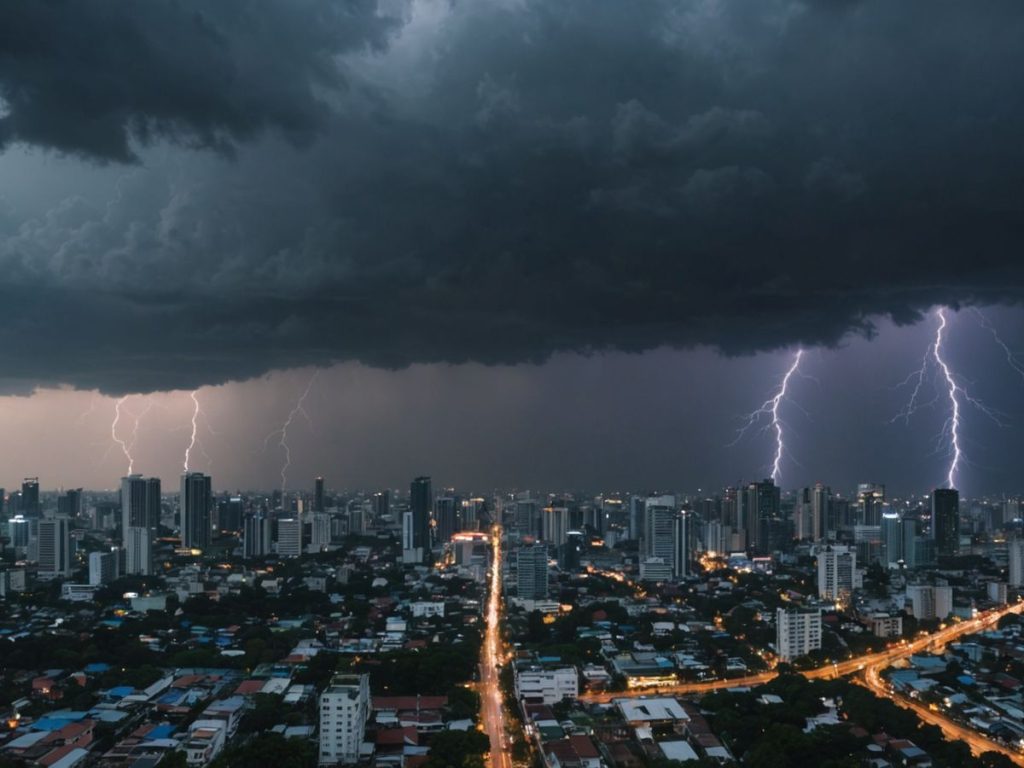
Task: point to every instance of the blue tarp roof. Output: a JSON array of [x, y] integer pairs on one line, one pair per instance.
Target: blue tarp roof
[[161, 732], [96, 668], [120, 691]]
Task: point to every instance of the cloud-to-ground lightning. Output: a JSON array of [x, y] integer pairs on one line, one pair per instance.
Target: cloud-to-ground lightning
[[1011, 359], [770, 409], [195, 421], [282, 431], [125, 447], [956, 394]]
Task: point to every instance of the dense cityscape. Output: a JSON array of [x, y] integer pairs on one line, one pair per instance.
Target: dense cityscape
[[434, 627]]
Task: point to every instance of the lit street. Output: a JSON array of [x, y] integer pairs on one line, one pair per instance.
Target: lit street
[[490, 675]]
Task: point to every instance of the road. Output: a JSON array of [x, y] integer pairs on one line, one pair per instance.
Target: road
[[491, 704], [880, 660]]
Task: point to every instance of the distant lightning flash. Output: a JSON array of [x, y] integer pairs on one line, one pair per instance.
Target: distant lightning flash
[[195, 420], [282, 432], [1011, 359], [770, 408], [954, 392]]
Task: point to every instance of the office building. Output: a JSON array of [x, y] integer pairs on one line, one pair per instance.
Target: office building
[[682, 544], [320, 535], [103, 567], [318, 495], [30, 506], [256, 535], [892, 539], [555, 524], [140, 521], [837, 573], [946, 521], [446, 518], [196, 504], [344, 710], [54, 547], [759, 509], [797, 632], [537, 685], [382, 504], [1015, 556], [930, 602], [138, 550], [289, 537], [870, 501], [69, 504], [421, 501], [657, 536], [532, 571], [230, 514]]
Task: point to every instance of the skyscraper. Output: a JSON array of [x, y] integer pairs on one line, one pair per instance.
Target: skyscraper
[[892, 539], [1015, 552], [196, 504], [289, 537], [682, 544], [382, 504], [555, 524], [446, 517], [421, 500], [69, 503], [870, 498], [946, 521], [823, 523], [837, 573], [256, 535], [140, 520], [658, 534], [532, 571], [30, 506], [318, 495], [761, 506], [55, 547]]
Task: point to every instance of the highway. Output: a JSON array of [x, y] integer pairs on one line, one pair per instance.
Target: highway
[[491, 704], [937, 640]]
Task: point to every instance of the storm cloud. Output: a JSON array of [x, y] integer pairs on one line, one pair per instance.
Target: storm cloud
[[489, 181]]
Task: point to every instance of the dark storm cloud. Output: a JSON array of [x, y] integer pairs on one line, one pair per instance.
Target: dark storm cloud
[[90, 77], [496, 181]]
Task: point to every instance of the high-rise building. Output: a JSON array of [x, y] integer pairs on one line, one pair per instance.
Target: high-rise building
[[103, 567], [532, 571], [797, 632], [446, 517], [140, 520], [870, 499], [344, 710], [930, 602], [555, 524], [69, 503], [892, 539], [837, 573], [656, 538], [946, 521], [19, 529], [1015, 554], [289, 537], [636, 517], [382, 504], [230, 513], [760, 506], [30, 506], [527, 516], [318, 495], [55, 547], [320, 535], [682, 544], [421, 501], [823, 524], [196, 503], [1010, 509], [256, 535]]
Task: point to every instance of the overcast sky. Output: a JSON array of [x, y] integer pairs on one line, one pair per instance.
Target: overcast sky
[[529, 244]]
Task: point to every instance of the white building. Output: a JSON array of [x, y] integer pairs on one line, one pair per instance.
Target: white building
[[138, 550], [206, 739], [54, 547], [344, 709], [547, 685], [289, 537], [837, 573], [320, 537], [928, 602], [797, 632], [655, 569], [102, 567], [423, 609]]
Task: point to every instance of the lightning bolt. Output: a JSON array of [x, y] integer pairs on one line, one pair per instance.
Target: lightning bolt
[[195, 420], [953, 422], [955, 392], [125, 447], [1011, 359], [770, 409], [282, 431]]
